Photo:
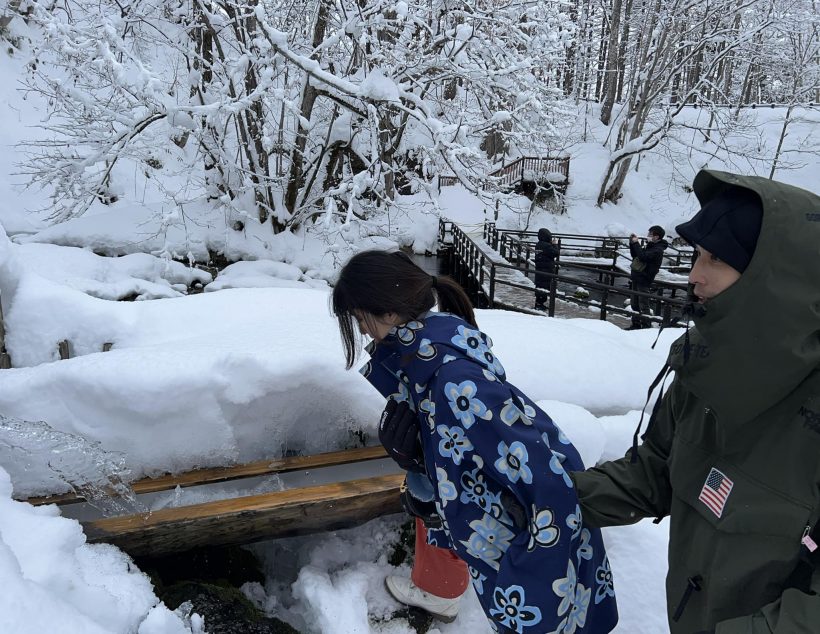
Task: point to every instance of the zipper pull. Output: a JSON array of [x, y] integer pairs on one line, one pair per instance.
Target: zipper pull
[[807, 541]]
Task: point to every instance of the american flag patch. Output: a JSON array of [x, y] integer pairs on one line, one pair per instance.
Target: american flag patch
[[716, 491]]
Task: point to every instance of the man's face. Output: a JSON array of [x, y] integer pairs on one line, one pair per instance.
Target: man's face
[[652, 237], [711, 275]]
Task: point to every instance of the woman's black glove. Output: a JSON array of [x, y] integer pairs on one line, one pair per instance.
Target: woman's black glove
[[399, 435]]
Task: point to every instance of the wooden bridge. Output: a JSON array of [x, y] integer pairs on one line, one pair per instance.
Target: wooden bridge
[[497, 269], [332, 491], [550, 172]]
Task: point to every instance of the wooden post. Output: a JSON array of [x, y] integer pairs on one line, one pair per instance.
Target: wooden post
[[107, 346], [64, 349], [490, 299], [604, 300], [5, 359], [553, 292]]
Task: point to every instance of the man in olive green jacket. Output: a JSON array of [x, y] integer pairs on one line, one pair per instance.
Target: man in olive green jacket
[[732, 451]]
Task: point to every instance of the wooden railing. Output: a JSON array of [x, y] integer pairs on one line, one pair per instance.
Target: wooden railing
[[551, 169], [472, 267]]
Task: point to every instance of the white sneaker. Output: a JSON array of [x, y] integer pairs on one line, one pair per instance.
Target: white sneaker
[[407, 592]]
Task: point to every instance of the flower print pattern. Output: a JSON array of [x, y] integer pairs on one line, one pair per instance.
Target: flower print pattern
[[585, 549], [574, 521], [426, 351], [469, 340], [466, 407], [562, 437], [428, 408], [489, 540], [603, 579], [492, 363], [543, 531], [565, 589], [453, 444], [557, 467], [511, 611], [475, 490], [472, 476], [577, 617], [446, 489], [478, 579], [513, 462], [406, 333], [511, 413], [402, 394]]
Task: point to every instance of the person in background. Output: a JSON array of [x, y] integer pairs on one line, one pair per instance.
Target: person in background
[[546, 252], [492, 466], [732, 450], [646, 262]]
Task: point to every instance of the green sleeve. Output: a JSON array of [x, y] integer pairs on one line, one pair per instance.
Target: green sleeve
[[621, 491], [795, 612]]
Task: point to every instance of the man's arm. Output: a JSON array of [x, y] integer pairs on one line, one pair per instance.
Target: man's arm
[[622, 491]]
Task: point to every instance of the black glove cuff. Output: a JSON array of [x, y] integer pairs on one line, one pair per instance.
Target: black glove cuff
[[425, 511]]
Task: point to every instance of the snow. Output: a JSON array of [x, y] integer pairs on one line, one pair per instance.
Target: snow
[[378, 87], [243, 374], [54, 582], [252, 368]]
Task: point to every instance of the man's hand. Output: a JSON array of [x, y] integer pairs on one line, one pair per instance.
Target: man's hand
[[399, 435]]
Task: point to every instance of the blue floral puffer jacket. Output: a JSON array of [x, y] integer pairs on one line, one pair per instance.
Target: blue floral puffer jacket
[[481, 437]]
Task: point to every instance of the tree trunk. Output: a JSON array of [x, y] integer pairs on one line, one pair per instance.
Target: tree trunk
[[782, 138], [296, 175], [610, 78]]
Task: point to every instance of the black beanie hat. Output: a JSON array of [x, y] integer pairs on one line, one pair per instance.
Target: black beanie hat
[[544, 234], [727, 226]]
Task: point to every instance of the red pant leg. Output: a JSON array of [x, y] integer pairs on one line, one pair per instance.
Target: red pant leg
[[438, 571]]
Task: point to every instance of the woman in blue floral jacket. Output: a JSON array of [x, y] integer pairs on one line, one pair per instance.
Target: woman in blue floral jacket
[[496, 463]]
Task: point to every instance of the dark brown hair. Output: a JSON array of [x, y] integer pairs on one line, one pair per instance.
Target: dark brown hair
[[379, 282]]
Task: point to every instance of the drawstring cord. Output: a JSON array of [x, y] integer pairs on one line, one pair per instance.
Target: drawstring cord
[[691, 309], [660, 379], [692, 585]]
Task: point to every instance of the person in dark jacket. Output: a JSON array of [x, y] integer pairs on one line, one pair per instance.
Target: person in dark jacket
[[493, 465], [646, 262], [546, 253], [731, 450]]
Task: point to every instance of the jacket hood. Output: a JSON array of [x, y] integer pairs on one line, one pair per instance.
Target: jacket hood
[[760, 338], [414, 351], [545, 235]]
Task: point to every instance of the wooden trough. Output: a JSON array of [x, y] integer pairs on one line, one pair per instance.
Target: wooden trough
[[241, 520]]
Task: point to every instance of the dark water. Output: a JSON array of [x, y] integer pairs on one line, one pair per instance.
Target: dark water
[[432, 264]]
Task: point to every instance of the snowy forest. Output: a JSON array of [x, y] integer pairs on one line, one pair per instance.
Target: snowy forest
[[289, 112], [180, 183]]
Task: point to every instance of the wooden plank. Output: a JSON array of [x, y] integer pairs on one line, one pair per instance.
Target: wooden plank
[[251, 518], [224, 474]]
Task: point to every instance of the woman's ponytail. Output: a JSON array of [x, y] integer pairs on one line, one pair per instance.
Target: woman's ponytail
[[453, 299]]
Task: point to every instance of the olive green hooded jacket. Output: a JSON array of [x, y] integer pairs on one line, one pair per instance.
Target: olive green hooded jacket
[[746, 403]]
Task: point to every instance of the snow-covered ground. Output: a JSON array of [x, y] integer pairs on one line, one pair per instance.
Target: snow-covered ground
[[253, 367]]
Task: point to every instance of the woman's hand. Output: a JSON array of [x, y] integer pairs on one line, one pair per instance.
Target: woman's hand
[[399, 435]]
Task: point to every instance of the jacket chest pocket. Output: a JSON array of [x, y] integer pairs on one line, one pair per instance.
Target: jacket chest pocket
[[735, 502]]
